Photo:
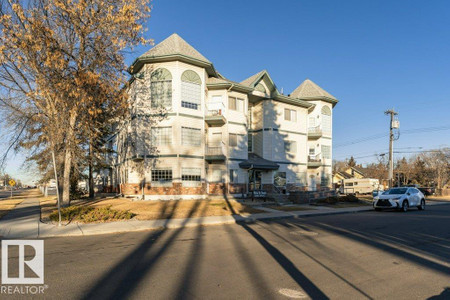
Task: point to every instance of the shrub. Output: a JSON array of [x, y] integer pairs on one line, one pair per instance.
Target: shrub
[[88, 214], [329, 200], [349, 198]]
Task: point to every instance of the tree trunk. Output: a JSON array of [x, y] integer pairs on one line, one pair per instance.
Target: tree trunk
[[91, 176], [66, 176], [68, 161]]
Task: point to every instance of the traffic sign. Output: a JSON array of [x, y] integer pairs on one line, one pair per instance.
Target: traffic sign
[[12, 182]]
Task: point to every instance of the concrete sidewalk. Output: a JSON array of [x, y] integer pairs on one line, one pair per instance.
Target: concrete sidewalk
[[24, 221]]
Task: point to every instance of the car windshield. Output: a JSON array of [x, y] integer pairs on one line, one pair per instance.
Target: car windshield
[[398, 191]]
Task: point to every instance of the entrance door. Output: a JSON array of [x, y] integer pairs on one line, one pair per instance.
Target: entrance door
[[312, 183], [254, 180]]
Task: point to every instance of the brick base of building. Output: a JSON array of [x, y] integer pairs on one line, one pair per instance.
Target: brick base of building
[[175, 189], [217, 189], [183, 192]]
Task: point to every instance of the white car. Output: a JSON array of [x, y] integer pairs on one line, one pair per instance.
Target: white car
[[400, 198]]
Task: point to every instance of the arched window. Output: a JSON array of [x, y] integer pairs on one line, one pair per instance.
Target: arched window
[[191, 90], [326, 119], [161, 88]]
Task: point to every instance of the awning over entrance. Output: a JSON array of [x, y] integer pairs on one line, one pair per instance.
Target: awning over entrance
[[256, 162]]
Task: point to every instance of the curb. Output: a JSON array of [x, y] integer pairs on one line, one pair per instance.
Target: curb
[[167, 225], [235, 220]]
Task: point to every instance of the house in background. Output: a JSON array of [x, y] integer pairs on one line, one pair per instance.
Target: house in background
[[349, 172], [214, 136]]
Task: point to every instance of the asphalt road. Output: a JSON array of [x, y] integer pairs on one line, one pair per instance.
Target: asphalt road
[[7, 193], [375, 255]]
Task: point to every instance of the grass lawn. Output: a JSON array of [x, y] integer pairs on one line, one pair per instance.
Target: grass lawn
[[437, 198], [152, 210], [290, 208], [7, 204]]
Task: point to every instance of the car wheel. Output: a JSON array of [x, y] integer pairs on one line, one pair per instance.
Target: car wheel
[[405, 206], [422, 205]]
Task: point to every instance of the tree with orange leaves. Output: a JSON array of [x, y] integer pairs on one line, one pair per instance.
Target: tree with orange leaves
[[62, 70]]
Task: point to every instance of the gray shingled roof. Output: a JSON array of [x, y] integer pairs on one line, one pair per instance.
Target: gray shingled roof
[[310, 89], [174, 44], [216, 80], [251, 79], [257, 162]]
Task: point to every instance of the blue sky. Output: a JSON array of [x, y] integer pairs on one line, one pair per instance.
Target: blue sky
[[371, 55]]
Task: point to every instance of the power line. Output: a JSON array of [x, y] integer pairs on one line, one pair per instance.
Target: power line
[[381, 135], [375, 152]]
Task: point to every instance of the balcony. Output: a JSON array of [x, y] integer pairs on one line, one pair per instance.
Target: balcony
[[214, 114], [215, 153], [314, 161], [314, 132]]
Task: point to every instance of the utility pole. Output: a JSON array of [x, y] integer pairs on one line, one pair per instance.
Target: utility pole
[[392, 126]]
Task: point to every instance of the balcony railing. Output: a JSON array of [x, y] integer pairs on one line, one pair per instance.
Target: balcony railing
[[315, 158], [316, 130], [215, 109], [214, 113], [215, 152]]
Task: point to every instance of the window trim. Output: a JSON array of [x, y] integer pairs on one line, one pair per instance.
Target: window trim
[[236, 103], [290, 115], [159, 181]]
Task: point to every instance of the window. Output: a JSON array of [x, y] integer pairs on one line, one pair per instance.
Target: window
[[233, 176], [236, 104], [162, 136], [312, 151], [191, 90], [279, 179], [233, 140], [250, 142], [191, 176], [162, 175], [161, 89], [290, 146], [290, 115], [216, 99], [349, 184], [191, 136], [326, 151], [326, 119]]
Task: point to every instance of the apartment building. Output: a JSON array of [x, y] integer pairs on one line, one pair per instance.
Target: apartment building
[[194, 133]]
